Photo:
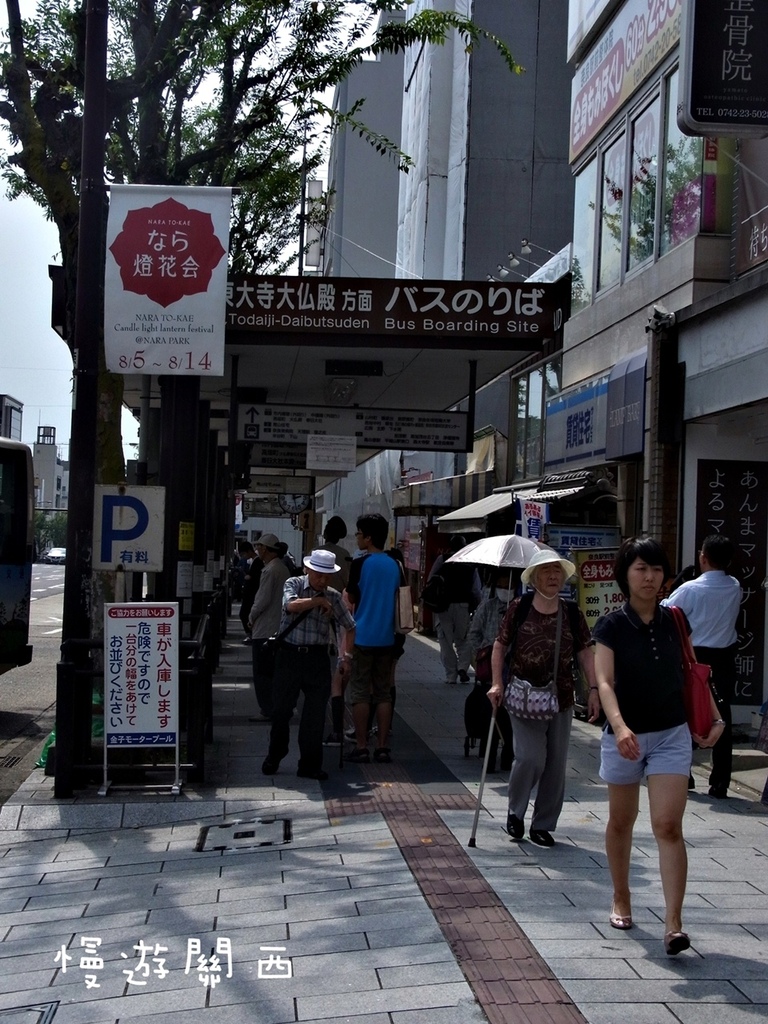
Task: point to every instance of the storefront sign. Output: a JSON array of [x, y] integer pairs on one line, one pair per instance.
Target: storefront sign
[[533, 517], [625, 427], [723, 70], [576, 425], [596, 588], [427, 430], [752, 189], [731, 498], [522, 315], [141, 674], [634, 43], [165, 280]]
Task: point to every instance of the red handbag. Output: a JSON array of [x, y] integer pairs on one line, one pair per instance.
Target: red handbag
[[696, 691]]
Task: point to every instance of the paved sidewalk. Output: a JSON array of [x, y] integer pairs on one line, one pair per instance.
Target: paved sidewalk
[[364, 891]]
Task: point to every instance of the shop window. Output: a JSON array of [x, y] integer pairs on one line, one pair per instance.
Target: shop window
[[582, 269], [531, 391], [644, 167], [611, 213], [682, 199]]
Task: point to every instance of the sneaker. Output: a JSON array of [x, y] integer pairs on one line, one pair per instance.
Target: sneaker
[[333, 739], [515, 826], [463, 676], [359, 756]]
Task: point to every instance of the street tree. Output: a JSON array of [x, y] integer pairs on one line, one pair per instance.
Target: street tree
[[198, 92]]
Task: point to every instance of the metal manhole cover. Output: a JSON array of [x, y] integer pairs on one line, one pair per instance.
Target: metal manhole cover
[[34, 1013], [245, 835], [10, 761]]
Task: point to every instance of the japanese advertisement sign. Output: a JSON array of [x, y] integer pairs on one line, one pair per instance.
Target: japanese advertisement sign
[[500, 315], [370, 428], [533, 517], [634, 43], [128, 526], [597, 590], [752, 190], [165, 280], [731, 499], [723, 70], [576, 425], [141, 675]]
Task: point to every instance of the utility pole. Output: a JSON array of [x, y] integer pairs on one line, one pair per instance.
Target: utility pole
[[73, 701]]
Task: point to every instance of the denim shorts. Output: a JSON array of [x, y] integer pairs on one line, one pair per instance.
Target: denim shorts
[[667, 752]]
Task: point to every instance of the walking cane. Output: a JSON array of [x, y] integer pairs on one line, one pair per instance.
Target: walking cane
[[472, 843]]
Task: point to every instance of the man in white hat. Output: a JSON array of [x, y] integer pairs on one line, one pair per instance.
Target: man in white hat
[[303, 662], [264, 619]]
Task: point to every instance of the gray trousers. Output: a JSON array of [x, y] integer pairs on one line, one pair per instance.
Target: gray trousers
[[541, 754], [452, 630]]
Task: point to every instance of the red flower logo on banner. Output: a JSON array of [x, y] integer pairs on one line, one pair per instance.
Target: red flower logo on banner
[[167, 251]]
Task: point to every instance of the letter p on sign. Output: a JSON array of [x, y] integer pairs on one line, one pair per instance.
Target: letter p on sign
[[128, 527]]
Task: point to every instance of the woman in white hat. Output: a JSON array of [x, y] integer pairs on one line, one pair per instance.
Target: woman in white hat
[[525, 648]]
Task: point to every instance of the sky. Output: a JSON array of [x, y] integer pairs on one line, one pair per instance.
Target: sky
[[35, 363]]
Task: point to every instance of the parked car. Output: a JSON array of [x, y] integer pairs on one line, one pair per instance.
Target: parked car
[[55, 556]]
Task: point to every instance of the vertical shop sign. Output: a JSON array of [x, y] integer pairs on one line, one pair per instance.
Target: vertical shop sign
[[723, 71], [731, 499]]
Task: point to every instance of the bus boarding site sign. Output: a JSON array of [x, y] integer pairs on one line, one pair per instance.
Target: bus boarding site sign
[[141, 675]]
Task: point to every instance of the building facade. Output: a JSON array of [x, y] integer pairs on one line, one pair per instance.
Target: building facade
[[668, 308]]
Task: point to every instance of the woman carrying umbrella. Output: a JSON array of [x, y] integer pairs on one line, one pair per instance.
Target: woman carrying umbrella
[[541, 744]]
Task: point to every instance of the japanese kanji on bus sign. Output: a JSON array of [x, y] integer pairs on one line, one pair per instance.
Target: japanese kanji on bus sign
[[165, 280], [597, 590], [141, 675]]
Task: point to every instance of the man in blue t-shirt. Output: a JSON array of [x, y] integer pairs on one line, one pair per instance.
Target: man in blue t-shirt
[[373, 582]]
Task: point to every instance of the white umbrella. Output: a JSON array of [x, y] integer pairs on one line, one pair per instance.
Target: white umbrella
[[507, 551]]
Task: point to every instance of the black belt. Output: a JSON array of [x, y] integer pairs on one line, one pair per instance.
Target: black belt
[[306, 648]]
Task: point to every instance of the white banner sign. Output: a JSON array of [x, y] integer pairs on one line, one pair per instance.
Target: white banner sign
[[141, 674], [165, 280]]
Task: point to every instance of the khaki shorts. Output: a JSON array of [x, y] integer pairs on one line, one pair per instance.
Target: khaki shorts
[[371, 677]]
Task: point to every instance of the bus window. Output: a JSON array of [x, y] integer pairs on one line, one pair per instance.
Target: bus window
[[16, 544]]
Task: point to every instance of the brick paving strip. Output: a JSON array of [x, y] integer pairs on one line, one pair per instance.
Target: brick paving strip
[[511, 982]]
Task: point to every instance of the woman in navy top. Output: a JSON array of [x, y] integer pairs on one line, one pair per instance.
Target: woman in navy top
[[639, 672]]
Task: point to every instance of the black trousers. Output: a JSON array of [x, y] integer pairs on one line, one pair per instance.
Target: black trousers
[[722, 661], [307, 671]]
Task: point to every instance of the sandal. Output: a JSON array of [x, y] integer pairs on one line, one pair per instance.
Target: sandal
[[381, 755], [359, 756], [620, 921]]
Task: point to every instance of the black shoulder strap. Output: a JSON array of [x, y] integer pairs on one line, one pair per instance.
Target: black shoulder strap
[[524, 605]]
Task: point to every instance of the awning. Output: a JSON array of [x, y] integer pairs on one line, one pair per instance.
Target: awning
[[558, 485], [625, 427], [471, 518]]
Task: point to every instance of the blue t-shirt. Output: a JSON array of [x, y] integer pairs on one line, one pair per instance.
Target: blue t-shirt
[[373, 582]]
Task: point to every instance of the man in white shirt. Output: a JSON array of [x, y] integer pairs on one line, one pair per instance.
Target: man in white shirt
[[264, 619], [711, 604]]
